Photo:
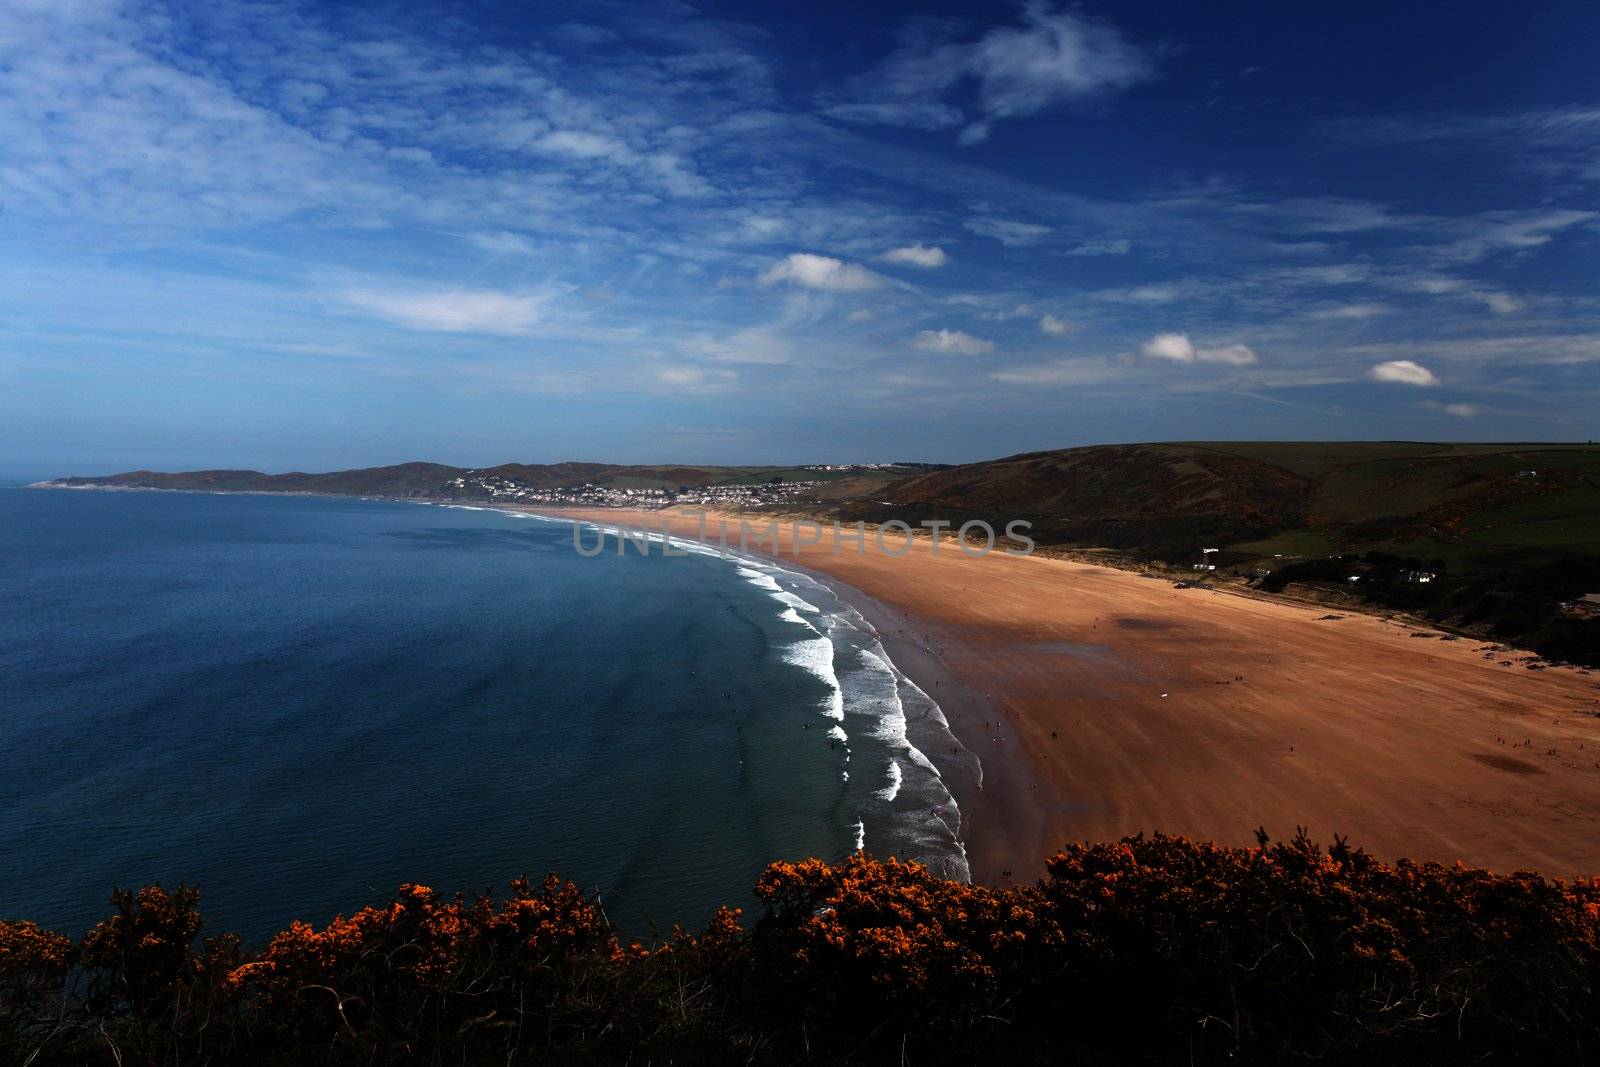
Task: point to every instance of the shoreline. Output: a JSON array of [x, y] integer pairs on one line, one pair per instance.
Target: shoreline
[[894, 635], [1124, 705], [1125, 564], [995, 808], [1120, 705], [1001, 814]]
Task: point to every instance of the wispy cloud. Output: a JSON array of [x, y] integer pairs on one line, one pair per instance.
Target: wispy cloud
[[952, 342], [226, 194], [1050, 58], [1177, 348], [1111, 246], [821, 272], [503, 243], [916, 256], [1062, 372], [1564, 139], [1010, 232], [457, 310], [1357, 312]]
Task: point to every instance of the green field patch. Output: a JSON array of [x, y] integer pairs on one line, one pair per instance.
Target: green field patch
[[1579, 503], [1389, 489], [1289, 543], [1573, 535]]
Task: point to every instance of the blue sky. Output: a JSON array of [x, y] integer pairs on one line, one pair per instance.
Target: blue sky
[[300, 236]]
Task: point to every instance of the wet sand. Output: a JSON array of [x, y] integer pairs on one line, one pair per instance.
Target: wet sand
[[1103, 703]]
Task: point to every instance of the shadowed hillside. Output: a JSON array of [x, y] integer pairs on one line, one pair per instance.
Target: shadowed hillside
[[1154, 499], [1491, 539], [1478, 506]]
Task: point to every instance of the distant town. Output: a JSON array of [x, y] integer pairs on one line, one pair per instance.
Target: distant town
[[588, 494]]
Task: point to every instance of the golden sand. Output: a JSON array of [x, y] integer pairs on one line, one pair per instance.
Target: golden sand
[[1117, 703]]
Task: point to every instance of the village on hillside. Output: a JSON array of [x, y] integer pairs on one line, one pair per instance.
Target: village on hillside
[[609, 496]]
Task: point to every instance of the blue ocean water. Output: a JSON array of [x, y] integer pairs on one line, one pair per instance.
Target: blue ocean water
[[299, 703]]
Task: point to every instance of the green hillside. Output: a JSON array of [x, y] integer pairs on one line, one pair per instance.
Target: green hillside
[[1490, 539], [1474, 505]]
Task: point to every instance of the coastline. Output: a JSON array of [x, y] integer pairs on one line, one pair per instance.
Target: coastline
[[1118, 704], [1004, 819], [1124, 705], [955, 781], [1001, 815]]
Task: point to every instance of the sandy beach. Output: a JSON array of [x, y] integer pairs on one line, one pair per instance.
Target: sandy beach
[[1103, 703]]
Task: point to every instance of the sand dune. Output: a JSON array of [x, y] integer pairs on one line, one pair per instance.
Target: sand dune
[[1116, 703]]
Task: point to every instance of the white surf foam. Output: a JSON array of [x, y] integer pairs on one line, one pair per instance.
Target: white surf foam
[[925, 825], [924, 822], [896, 776]]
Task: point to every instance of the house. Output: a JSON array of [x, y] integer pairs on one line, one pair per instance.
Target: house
[[1587, 607]]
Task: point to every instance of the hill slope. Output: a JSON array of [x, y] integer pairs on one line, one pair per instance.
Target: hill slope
[[1488, 539], [1480, 507]]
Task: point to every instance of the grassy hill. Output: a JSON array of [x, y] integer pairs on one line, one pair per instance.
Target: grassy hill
[[1471, 505], [1505, 532]]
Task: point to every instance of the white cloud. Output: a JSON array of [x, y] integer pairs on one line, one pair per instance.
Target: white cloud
[[821, 272], [917, 256], [1350, 311], [1155, 293], [1051, 58], [1477, 237], [1463, 411], [1177, 348], [1053, 326], [1501, 303], [683, 377], [1093, 371], [503, 242], [1236, 355], [680, 375], [952, 342], [1009, 232], [755, 344], [1403, 372], [1174, 346], [457, 310], [1111, 247], [582, 144], [1558, 140]]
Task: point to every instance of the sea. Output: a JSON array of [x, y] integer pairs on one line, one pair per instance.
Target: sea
[[300, 703]]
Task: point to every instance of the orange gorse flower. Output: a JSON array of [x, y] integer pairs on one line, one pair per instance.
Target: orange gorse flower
[[1129, 950]]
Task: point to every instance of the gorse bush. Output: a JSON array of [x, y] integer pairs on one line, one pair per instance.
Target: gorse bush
[[1146, 950]]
